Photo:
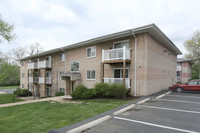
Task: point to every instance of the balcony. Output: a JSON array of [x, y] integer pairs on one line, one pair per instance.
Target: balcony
[[45, 64], [119, 81], [116, 54], [178, 68], [30, 79], [32, 65], [48, 80]]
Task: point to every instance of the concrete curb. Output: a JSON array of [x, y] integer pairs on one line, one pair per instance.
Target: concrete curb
[[143, 101], [124, 109], [90, 124], [163, 95]]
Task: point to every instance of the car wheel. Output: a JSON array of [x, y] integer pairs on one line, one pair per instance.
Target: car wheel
[[179, 89]]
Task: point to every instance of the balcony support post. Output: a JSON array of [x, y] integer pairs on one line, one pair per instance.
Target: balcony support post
[[102, 73], [45, 82], [33, 85], [38, 83], [28, 79], [124, 71]]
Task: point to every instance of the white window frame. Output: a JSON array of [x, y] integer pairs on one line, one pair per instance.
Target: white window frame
[[165, 51], [23, 63], [91, 51], [90, 74], [121, 41], [61, 88], [23, 75], [61, 72], [62, 58], [120, 70], [78, 66]]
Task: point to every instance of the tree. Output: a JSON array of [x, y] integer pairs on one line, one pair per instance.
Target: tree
[[6, 31], [34, 49], [19, 53], [193, 48], [9, 74]]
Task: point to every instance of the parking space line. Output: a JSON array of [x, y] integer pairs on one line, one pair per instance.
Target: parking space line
[[155, 125], [183, 96], [177, 101], [171, 109]]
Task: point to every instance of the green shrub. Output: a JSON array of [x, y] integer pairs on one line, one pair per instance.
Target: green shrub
[[81, 92], [100, 89], [59, 94], [179, 82], [22, 92], [116, 91]]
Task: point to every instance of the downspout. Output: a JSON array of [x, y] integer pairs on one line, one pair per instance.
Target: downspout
[[135, 63]]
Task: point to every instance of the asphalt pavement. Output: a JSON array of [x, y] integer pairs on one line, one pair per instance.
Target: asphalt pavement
[[173, 113]]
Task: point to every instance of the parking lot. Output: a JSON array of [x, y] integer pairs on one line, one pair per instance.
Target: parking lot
[[173, 113]]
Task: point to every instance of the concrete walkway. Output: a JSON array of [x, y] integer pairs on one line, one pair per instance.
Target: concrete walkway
[[62, 99], [1, 92], [8, 90]]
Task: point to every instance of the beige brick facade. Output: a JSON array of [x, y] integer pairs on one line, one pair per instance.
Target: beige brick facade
[[156, 70]]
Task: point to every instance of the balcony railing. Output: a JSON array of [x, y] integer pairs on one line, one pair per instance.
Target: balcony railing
[[116, 54], [32, 65], [48, 80], [30, 79], [45, 64], [119, 81], [178, 68]]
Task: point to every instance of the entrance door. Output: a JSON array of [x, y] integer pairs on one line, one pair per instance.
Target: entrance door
[[36, 90], [48, 91], [73, 85]]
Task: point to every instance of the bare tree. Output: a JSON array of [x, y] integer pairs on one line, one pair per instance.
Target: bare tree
[[19, 53], [34, 48]]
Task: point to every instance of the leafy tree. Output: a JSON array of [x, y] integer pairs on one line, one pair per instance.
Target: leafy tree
[[6, 31], [193, 48], [9, 74]]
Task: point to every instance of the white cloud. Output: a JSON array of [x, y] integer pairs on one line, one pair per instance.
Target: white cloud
[[61, 14], [59, 23]]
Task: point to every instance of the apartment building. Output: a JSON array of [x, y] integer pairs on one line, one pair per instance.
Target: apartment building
[[184, 70], [144, 59]]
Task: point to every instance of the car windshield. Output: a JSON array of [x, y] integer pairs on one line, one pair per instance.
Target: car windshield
[[193, 83]]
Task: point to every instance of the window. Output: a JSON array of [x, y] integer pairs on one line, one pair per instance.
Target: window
[[90, 74], [75, 66], [169, 53], [91, 52], [193, 83], [118, 73], [22, 85], [62, 90], [121, 44], [164, 50], [22, 63], [62, 57], [61, 72], [22, 75]]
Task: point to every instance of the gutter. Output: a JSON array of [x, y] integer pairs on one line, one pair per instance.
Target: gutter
[[135, 63]]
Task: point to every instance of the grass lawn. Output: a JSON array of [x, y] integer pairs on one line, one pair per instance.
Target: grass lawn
[[9, 87], [43, 116], [8, 98]]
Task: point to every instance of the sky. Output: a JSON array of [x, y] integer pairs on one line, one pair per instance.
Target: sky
[[57, 23]]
